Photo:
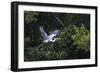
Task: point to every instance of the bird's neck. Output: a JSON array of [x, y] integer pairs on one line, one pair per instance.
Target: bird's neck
[[55, 39]]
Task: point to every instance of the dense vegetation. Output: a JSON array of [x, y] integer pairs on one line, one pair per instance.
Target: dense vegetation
[[74, 42]]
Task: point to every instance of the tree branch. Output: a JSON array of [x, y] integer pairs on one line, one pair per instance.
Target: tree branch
[[58, 19]]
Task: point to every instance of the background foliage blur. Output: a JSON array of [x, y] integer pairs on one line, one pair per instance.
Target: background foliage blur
[[74, 42]]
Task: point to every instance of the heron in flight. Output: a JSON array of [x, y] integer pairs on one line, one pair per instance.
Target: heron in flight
[[48, 38]]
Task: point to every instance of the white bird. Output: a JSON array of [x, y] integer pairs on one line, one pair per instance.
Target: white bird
[[48, 38]]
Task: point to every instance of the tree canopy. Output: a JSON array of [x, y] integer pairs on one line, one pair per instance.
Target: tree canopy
[[74, 42]]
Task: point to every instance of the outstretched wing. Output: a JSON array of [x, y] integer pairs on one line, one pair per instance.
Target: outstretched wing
[[43, 33], [54, 33]]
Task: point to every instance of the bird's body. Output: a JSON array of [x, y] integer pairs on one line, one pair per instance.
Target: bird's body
[[48, 38]]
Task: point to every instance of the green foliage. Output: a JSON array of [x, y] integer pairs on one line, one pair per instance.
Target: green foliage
[[30, 16], [81, 37], [74, 42]]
